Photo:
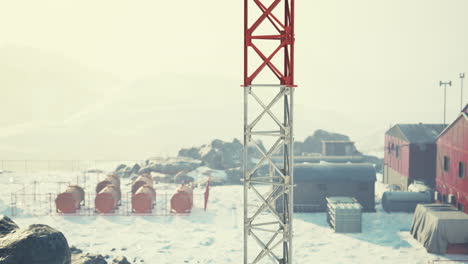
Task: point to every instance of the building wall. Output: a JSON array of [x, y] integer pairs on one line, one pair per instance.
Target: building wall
[[453, 144], [392, 176], [398, 164], [310, 196], [422, 165]]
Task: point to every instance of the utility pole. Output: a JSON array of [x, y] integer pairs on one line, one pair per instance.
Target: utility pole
[[462, 76], [449, 83], [268, 197]]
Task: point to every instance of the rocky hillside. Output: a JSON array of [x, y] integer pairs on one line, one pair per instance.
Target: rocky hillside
[[222, 161]]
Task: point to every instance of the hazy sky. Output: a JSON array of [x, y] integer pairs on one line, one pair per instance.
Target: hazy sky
[[130, 79]]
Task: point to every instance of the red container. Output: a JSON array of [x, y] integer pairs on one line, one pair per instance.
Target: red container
[[69, 201], [107, 199], [182, 200], [110, 180], [142, 180], [143, 199]]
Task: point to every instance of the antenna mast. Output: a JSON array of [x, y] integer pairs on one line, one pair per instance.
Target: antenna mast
[[268, 197]]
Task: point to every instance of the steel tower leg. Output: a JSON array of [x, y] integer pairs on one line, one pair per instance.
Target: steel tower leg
[[268, 196], [268, 215]]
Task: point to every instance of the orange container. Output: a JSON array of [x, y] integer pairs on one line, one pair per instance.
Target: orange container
[[143, 199], [142, 180], [69, 201], [109, 180], [107, 199], [182, 200]]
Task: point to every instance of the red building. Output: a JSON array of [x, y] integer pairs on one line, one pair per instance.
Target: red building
[[452, 157], [410, 154]]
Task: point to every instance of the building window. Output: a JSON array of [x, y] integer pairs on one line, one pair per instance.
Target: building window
[[446, 163], [461, 169], [389, 148], [397, 151], [322, 187]]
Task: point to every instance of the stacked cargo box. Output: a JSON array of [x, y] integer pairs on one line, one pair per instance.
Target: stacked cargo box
[[344, 214]]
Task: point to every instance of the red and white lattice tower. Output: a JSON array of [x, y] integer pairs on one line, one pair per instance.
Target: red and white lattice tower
[[268, 69]]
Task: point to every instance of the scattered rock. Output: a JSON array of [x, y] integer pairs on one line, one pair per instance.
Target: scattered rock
[[38, 244], [75, 250], [88, 259], [121, 260]]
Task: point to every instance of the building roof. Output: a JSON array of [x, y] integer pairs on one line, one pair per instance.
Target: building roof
[[416, 133], [362, 172], [463, 114]]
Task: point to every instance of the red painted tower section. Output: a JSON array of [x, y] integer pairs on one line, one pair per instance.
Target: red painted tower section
[[283, 34]]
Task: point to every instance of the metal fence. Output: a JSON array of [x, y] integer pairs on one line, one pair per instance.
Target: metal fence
[[43, 204]]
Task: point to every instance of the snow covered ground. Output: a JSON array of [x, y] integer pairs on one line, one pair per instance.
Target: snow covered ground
[[215, 236]]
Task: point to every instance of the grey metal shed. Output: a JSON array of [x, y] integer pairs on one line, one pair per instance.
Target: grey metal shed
[[315, 182]]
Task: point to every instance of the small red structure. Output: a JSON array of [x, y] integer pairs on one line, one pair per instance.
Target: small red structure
[[143, 199], [182, 200], [110, 179], [70, 200], [107, 199], [144, 179], [143, 194], [410, 152], [108, 194], [452, 158]]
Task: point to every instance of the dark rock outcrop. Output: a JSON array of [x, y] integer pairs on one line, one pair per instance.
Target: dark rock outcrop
[[313, 144], [125, 171], [234, 175], [120, 260], [38, 244], [88, 259], [7, 226]]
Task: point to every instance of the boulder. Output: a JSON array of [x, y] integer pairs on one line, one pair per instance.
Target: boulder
[[234, 175], [221, 155], [136, 167], [125, 171], [193, 153], [120, 167], [88, 259], [120, 260], [75, 250], [170, 165], [313, 144], [6, 226], [38, 244]]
